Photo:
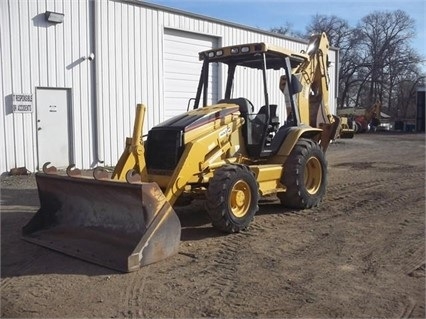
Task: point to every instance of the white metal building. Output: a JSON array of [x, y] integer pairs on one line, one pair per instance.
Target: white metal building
[[73, 71]]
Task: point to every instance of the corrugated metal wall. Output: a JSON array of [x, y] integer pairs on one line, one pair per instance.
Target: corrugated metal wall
[[128, 39], [35, 53]]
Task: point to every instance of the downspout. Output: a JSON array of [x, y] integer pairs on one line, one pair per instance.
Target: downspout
[[99, 145]]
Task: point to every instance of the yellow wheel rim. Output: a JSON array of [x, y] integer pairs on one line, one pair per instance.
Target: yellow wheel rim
[[313, 175], [240, 199]]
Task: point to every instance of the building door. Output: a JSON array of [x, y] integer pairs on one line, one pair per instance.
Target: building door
[[182, 69], [54, 138]]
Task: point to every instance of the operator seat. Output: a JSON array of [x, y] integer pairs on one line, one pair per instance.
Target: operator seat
[[249, 129], [274, 121]]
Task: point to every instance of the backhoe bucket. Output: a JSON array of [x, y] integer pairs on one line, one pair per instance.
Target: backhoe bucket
[[119, 225]]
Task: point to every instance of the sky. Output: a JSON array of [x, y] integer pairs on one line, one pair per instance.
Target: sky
[[266, 14]]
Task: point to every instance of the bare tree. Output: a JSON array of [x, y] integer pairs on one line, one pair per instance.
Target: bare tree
[[340, 35], [287, 29], [384, 41], [337, 29], [402, 68], [376, 60]]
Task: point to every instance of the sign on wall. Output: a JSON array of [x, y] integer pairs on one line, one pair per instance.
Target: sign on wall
[[22, 103]]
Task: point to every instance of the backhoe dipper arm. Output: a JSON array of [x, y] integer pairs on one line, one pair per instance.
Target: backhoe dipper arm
[[313, 101]]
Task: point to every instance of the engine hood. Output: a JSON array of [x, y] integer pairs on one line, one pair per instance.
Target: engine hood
[[196, 118]]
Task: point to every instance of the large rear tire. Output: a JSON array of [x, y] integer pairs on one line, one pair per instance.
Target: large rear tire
[[232, 198], [305, 176]]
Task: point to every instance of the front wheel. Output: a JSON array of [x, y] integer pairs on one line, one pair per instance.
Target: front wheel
[[305, 176], [232, 198]]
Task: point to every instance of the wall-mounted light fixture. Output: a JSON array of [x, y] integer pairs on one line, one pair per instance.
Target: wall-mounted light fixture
[[54, 17]]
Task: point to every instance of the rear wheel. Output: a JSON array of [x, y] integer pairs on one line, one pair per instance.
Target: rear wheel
[[305, 176], [232, 198]]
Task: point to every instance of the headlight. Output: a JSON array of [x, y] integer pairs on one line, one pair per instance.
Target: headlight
[[245, 49], [234, 50], [219, 52], [211, 54]]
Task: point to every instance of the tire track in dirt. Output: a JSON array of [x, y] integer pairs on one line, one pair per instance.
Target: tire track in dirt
[[179, 275], [217, 269], [409, 306], [408, 257], [128, 295], [133, 294], [385, 249], [224, 265], [382, 166], [346, 197], [220, 275], [348, 188], [415, 265], [369, 181], [351, 203]]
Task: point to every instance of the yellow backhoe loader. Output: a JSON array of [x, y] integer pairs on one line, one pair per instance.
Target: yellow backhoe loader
[[225, 152]]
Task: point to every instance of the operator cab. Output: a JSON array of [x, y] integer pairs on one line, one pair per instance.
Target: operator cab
[[261, 130]]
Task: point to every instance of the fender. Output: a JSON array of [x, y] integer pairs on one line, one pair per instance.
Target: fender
[[293, 134]]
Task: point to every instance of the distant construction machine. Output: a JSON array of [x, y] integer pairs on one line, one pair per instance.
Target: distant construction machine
[[370, 120]]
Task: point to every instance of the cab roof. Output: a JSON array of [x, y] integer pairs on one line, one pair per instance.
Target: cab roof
[[249, 55]]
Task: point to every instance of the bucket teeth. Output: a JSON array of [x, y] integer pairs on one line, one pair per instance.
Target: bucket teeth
[[100, 173], [49, 170], [72, 171], [132, 176]]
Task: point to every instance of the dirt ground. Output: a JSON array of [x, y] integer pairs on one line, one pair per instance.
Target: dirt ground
[[360, 254]]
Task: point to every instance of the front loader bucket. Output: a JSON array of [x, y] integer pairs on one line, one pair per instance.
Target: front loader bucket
[[119, 225]]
